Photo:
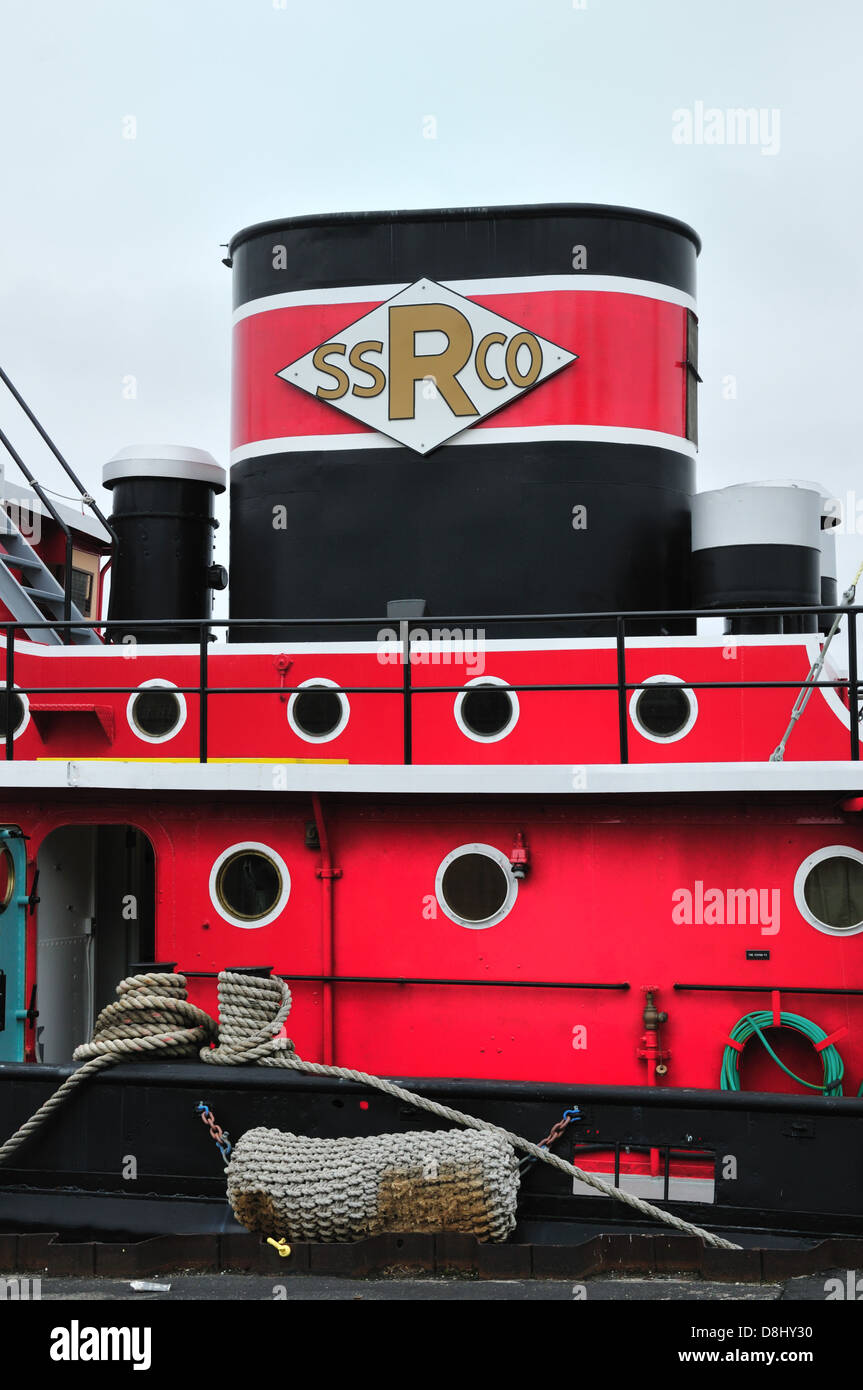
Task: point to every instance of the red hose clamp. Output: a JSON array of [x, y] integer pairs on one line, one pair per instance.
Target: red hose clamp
[[831, 1038]]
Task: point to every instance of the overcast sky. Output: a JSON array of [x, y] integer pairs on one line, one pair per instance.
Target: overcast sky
[[246, 110]]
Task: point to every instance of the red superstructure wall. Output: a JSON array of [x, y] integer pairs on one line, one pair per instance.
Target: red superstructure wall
[[554, 726], [597, 907]]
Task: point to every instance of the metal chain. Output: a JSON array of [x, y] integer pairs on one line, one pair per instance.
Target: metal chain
[[219, 1135], [567, 1118]]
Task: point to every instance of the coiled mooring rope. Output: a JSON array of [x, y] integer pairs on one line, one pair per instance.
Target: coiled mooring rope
[[262, 1006], [151, 1015]]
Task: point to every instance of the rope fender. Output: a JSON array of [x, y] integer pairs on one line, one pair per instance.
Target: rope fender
[[265, 1004]]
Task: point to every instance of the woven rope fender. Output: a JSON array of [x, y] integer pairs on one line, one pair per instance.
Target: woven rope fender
[[347, 1189]]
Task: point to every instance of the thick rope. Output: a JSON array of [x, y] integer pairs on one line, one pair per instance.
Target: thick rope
[[246, 1000], [150, 1016]]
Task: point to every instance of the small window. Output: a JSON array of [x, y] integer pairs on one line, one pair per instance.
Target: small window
[[157, 711], [15, 709], [828, 890], [318, 711], [82, 591], [249, 884], [475, 886], [484, 711], [7, 877], [664, 710]]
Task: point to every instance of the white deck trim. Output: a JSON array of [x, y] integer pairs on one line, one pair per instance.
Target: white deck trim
[[155, 776], [489, 285]]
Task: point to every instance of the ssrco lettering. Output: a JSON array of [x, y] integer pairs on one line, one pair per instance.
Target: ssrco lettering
[[517, 361]]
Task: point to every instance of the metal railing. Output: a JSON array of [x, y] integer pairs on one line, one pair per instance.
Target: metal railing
[[616, 622], [52, 511]]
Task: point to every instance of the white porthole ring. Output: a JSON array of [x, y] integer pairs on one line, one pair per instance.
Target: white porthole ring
[[254, 847], [809, 863], [156, 683], [472, 733], [25, 713], [663, 738], [511, 892], [319, 683]]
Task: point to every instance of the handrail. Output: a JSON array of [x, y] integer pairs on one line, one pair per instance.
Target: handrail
[[58, 520], [46, 502], [86, 497], [407, 690]]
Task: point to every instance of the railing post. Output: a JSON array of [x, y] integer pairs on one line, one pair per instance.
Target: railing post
[[621, 692], [853, 693], [406, 689], [10, 687], [202, 693], [67, 591]]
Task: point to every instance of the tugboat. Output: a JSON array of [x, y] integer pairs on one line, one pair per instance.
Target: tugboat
[[530, 768]]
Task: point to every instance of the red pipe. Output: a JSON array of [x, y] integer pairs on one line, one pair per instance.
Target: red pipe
[[326, 873]]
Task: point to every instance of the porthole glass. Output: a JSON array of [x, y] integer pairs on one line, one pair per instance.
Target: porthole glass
[[828, 890], [249, 884], [484, 711], [156, 711], [7, 877], [17, 711], [664, 710], [318, 711], [475, 886]]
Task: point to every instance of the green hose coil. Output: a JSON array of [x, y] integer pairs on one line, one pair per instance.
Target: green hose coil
[[754, 1023]]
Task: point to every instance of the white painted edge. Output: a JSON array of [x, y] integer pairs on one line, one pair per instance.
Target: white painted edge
[[76, 518], [510, 284], [472, 435], [491, 852], [25, 701], [515, 710], [160, 683], [692, 642], [814, 643], [320, 682], [557, 779], [642, 728], [274, 912], [180, 469], [826, 852]]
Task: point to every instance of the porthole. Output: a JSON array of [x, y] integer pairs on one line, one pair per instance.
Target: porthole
[[475, 886], [7, 877], [828, 890], [249, 884], [484, 711], [318, 711], [19, 709], [156, 711], [664, 710]]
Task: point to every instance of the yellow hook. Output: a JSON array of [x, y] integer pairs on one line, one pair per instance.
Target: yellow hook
[[281, 1245]]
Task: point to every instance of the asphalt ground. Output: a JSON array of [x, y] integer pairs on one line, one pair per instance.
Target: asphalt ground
[[310, 1288]]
